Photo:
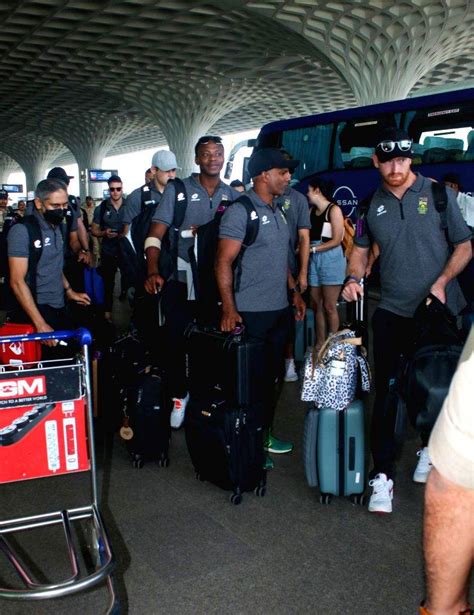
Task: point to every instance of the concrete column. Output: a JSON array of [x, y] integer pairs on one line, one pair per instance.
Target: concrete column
[[7, 166]]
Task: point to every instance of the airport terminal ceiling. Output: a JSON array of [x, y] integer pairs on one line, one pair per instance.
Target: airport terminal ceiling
[[81, 80]]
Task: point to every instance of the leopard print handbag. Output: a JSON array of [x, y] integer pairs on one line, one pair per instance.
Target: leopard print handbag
[[331, 376]]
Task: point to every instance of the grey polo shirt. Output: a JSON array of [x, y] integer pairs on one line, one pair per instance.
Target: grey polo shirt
[[413, 246], [112, 220], [49, 273], [295, 206], [133, 204], [200, 209], [264, 280]]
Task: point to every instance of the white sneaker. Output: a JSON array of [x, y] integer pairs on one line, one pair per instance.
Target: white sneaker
[[290, 371], [423, 467], [177, 414], [382, 494]]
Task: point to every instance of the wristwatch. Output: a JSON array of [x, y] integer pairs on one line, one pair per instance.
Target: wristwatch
[[351, 278]]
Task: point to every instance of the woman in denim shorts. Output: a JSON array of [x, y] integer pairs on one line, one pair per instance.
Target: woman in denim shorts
[[327, 264]]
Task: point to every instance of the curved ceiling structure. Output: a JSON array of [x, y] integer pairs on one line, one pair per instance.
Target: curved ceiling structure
[[96, 78]]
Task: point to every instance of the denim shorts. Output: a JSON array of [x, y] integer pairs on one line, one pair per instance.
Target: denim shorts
[[326, 268]]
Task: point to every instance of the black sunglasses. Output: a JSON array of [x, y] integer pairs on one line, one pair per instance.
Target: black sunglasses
[[115, 189], [208, 139]]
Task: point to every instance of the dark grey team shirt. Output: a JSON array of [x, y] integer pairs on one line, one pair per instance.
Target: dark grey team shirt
[[112, 220], [133, 204], [49, 278], [296, 209], [200, 209], [413, 247], [264, 280]]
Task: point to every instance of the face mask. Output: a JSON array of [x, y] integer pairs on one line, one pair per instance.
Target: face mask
[[54, 216]]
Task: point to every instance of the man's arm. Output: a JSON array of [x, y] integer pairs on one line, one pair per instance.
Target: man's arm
[[84, 255], [227, 252], [296, 298], [154, 281], [303, 256], [72, 295], [356, 268], [460, 257]]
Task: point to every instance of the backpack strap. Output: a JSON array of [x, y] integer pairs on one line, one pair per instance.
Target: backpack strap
[[103, 207], [440, 197], [253, 226], [363, 211], [145, 197], [180, 206], [35, 247]]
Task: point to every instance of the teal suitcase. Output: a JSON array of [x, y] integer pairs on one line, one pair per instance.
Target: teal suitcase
[[334, 451]]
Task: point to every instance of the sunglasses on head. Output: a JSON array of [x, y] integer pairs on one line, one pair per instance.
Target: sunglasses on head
[[388, 146], [209, 139], [115, 189]]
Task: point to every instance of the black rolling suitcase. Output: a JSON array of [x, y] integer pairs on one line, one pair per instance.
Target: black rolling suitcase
[[147, 419], [223, 425]]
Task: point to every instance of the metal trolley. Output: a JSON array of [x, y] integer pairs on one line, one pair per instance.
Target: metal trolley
[[46, 429]]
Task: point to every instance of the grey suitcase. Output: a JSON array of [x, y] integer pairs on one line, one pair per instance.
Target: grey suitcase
[[333, 450]]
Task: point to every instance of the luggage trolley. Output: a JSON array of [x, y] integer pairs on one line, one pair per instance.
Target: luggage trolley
[[46, 429]]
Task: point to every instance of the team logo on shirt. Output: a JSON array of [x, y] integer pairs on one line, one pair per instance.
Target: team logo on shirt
[[225, 198], [265, 220], [381, 210], [195, 197], [47, 241], [422, 205], [286, 205]]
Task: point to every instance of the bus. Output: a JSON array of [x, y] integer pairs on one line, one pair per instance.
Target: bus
[[339, 145]]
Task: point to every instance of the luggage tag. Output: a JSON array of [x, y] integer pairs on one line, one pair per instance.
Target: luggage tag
[[126, 432]]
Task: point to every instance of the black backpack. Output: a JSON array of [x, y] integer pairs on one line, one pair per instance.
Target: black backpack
[[427, 373], [35, 242], [202, 263], [132, 254]]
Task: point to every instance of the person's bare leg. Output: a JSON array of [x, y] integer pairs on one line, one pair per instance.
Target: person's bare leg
[[330, 297], [448, 542], [319, 316]]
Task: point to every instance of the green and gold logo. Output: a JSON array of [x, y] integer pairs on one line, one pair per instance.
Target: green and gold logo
[[422, 205], [286, 205]]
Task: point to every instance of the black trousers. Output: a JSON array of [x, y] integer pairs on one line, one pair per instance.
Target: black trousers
[[108, 268], [273, 328], [393, 336], [178, 312]]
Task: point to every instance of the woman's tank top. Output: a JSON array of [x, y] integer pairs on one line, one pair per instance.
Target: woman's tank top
[[317, 231]]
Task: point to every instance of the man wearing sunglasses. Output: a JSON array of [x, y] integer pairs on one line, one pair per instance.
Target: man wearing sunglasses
[[415, 260], [107, 225], [204, 192]]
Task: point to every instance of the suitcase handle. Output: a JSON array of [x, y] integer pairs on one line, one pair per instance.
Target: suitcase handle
[[83, 336]]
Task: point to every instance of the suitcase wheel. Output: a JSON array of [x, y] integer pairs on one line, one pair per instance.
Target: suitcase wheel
[[260, 491], [235, 498], [138, 462], [163, 461], [358, 499], [325, 498]]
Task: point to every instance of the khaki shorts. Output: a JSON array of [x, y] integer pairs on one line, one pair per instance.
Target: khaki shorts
[[452, 440]]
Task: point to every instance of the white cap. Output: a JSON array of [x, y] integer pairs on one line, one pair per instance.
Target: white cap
[[164, 160]]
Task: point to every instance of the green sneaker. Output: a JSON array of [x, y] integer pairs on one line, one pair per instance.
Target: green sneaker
[[268, 463], [274, 445]]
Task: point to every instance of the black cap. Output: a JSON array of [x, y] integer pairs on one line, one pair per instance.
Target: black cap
[[3, 194], [59, 173], [452, 178], [395, 135], [114, 178], [269, 158]]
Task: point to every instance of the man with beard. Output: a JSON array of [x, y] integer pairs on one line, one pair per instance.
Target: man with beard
[[204, 193], [107, 225], [261, 301], [415, 260]]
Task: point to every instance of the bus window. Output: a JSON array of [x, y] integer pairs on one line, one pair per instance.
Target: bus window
[[311, 146], [356, 140]]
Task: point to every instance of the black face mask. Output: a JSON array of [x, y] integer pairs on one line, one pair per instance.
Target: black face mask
[[54, 216]]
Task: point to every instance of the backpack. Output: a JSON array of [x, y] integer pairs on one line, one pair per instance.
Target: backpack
[[132, 250], [202, 257], [35, 240], [348, 235], [425, 375]]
